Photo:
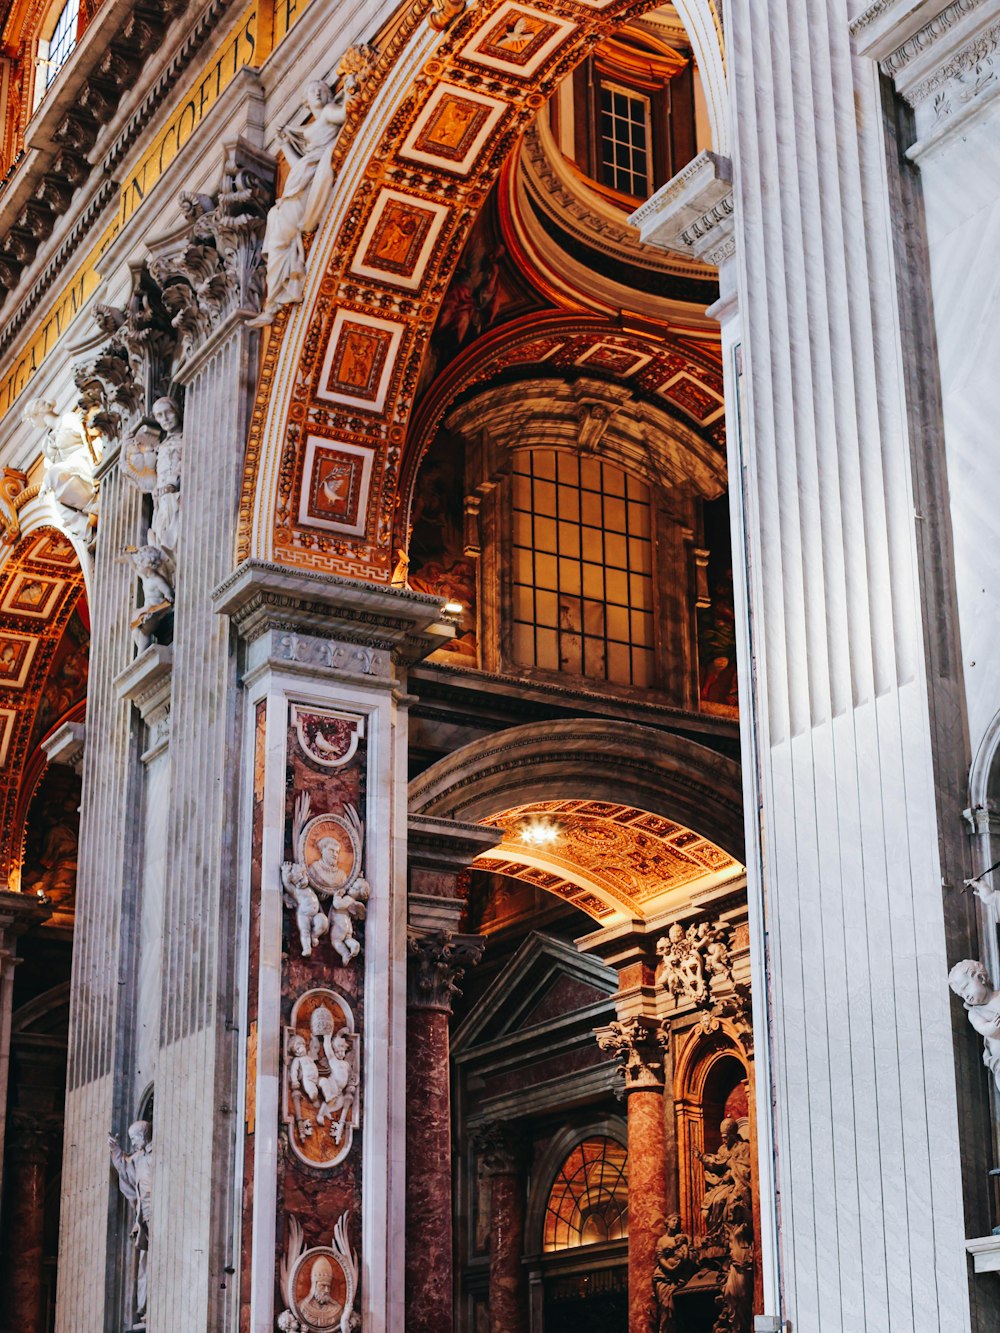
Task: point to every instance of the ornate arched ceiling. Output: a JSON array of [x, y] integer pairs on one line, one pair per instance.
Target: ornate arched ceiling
[[431, 130], [606, 858], [41, 585]]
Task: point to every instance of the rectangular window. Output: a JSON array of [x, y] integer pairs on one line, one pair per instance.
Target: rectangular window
[[582, 569], [63, 39], [626, 136]]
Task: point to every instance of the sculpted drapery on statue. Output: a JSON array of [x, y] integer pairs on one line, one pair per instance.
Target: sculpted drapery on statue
[[308, 188], [135, 1180], [70, 461]]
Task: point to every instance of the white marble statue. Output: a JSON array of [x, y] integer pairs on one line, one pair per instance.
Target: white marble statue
[[153, 569], [306, 195], [300, 895], [135, 1180], [151, 458], [692, 960], [970, 981], [303, 1081], [338, 1078], [69, 467]]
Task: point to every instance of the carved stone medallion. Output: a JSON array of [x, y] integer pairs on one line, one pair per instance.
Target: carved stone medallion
[[329, 739], [321, 1078]]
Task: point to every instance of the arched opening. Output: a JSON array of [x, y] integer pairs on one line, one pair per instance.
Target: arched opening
[[44, 660], [598, 858]]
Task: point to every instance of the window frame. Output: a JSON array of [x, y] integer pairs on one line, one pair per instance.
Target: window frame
[[658, 642]]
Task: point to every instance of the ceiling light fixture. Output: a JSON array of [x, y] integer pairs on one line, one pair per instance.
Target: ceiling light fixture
[[537, 832]]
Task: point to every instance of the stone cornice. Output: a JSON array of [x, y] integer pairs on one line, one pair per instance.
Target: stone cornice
[[944, 57], [446, 844], [693, 213], [260, 597], [101, 172]]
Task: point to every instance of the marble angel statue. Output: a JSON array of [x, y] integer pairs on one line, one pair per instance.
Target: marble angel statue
[[70, 463], [308, 188]]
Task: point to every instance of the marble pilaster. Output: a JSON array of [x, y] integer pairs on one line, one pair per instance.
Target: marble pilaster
[[196, 1061], [337, 644], [503, 1157], [844, 692]]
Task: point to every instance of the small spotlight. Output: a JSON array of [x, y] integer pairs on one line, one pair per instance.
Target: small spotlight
[[540, 832], [452, 609]]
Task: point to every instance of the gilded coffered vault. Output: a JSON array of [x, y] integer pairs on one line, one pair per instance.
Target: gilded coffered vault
[[340, 375]]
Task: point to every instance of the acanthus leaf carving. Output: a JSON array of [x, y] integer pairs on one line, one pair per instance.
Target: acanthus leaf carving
[[637, 1044], [438, 961]]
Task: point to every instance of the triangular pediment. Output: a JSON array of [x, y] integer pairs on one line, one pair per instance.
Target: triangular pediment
[[545, 984]]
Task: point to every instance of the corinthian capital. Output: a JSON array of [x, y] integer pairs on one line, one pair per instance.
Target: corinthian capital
[[636, 1044], [438, 959]]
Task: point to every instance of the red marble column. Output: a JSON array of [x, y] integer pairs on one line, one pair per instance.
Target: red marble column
[[437, 961], [501, 1148], [635, 1042], [27, 1154]]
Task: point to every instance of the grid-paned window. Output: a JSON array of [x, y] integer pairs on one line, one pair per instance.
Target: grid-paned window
[[588, 1202], [63, 39], [625, 140], [582, 586]]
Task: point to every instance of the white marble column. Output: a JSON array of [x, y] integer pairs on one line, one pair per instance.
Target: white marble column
[[98, 1094], [841, 680]]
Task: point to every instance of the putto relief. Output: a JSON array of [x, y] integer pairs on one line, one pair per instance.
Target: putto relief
[[322, 1057], [319, 1284]]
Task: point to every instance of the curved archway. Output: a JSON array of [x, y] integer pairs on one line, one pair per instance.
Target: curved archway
[[41, 591], [618, 762], [381, 260]]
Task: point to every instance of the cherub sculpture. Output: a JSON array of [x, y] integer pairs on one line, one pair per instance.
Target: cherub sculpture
[[151, 565], [970, 981], [300, 895], [303, 1080], [347, 906]]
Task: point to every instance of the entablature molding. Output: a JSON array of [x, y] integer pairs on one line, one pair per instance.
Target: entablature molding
[[693, 213], [320, 624], [940, 54]]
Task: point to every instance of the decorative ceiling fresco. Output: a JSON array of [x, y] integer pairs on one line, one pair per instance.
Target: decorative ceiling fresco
[[604, 858], [43, 646], [427, 136]]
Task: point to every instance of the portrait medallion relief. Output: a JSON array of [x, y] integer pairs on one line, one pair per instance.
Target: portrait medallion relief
[[319, 1284]]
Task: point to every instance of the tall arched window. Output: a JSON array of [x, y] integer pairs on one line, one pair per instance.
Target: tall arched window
[[588, 1201], [582, 588]]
